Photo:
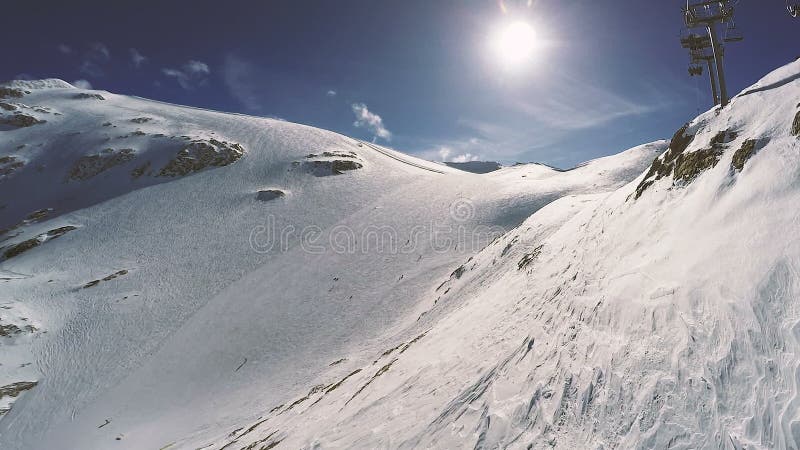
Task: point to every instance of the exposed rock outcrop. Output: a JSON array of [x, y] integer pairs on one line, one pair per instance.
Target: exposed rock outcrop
[[328, 167], [8, 165], [685, 167], [269, 194], [14, 389], [29, 219], [20, 120], [107, 278], [689, 165], [333, 154], [663, 165], [24, 246], [743, 154], [11, 330], [87, 95], [91, 165], [7, 92], [144, 169], [201, 154]]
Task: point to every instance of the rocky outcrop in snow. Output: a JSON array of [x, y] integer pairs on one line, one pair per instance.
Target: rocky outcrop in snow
[[201, 154], [92, 165], [24, 246], [7, 92], [329, 163], [20, 120]]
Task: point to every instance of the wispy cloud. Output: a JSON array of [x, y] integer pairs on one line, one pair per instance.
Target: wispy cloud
[[466, 157], [490, 140], [95, 57], [82, 84], [137, 59], [561, 120], [449, 154], [370, 121], [577, 105], [64, 49], [191, 74], [237, 74], [331, 93], [196, 67]]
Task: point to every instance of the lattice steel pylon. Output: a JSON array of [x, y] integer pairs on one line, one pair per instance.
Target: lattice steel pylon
[[709, 15], [698, 46]]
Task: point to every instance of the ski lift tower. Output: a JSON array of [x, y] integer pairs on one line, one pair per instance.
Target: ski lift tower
[[793, 7], [699, 47], [708, 14]]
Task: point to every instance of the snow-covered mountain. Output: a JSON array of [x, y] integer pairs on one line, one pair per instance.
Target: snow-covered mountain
[[181, 278]]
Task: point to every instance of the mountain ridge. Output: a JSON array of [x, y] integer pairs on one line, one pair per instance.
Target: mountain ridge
[[169, 293]]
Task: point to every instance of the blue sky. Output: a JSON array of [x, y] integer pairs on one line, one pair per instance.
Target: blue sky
[[415, 75]]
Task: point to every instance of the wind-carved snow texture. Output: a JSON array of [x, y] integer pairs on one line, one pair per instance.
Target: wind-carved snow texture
[[598, 315]]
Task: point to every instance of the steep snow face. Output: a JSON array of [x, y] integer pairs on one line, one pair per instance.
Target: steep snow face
[[663, 315], [170, 273]]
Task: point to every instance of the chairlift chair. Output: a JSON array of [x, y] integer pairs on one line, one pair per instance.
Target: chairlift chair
[[694, 41], [793, 7], [732, 34]]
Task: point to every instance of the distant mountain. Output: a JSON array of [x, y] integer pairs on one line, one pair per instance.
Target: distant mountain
[[475, 166]]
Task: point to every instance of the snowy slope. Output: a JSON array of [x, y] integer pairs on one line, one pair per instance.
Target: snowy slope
[[171, 273], [662, 315]]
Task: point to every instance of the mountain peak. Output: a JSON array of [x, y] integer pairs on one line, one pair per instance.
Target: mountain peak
[[47, 83]]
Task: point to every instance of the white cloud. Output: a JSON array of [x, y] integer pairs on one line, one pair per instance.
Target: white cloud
[[237, 74], [100, 50], [331, 93], [445, 152], [137, 58], [64, 49], [503, 143], [82, 84], [95, 57], [539, 123], [466, 157], [371, 121], [567, 102], [562, 118], [190, 75], [196, 67], [92, 69], [583, 108]]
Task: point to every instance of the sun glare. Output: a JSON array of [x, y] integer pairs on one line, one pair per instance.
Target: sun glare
[[515, 44]]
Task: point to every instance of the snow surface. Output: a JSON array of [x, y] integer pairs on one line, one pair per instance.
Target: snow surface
[[423, 307], [197, 298]]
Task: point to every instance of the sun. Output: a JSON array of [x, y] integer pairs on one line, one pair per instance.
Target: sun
[[515, 43]]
